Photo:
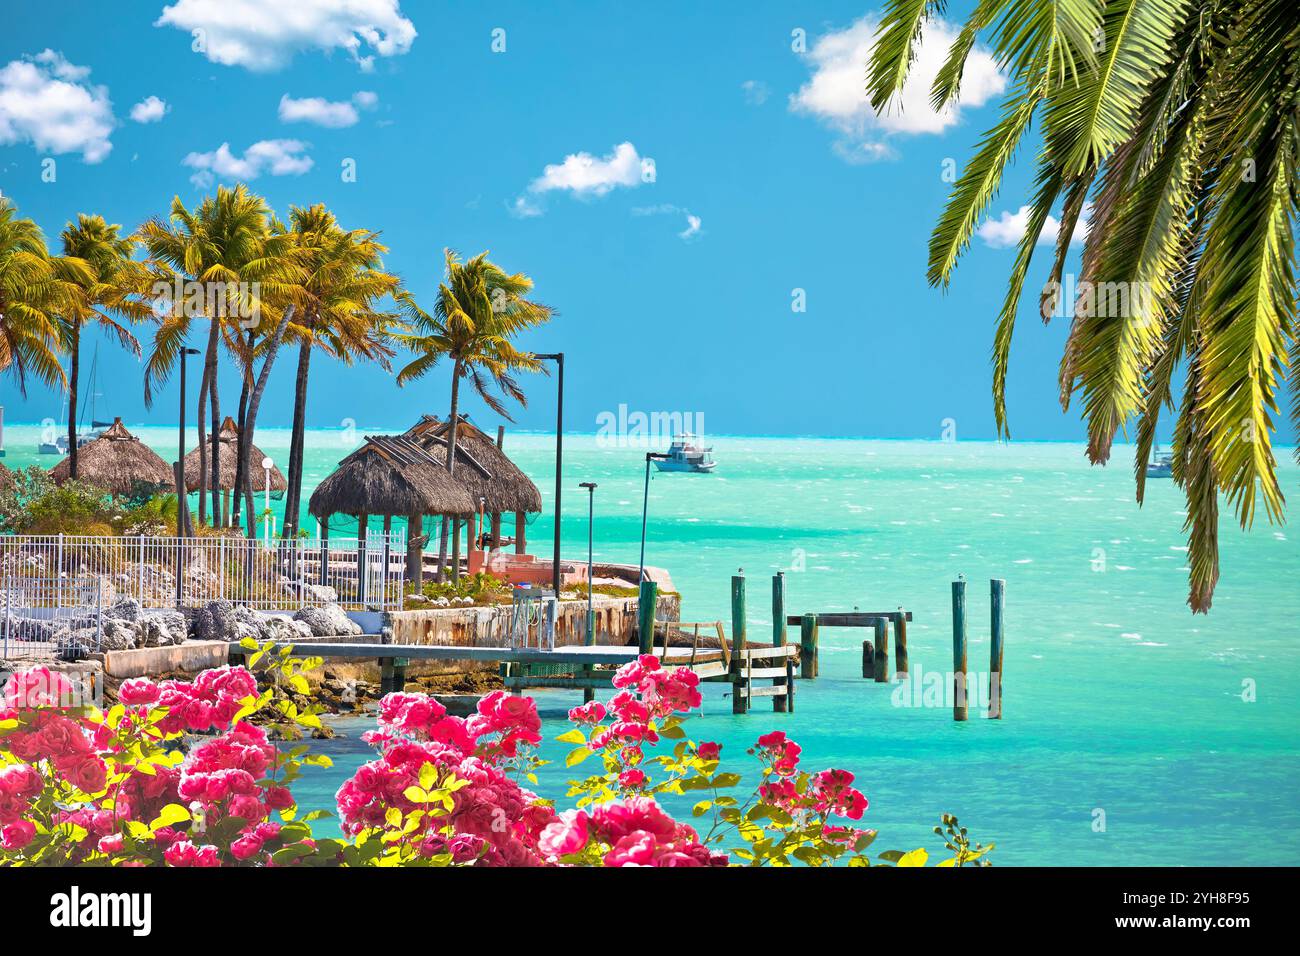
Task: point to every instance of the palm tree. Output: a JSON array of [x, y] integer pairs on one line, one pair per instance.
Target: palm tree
[[478, 310], [232, 262], [1178, 121], [114, 287], [344, 279], [33, 289]]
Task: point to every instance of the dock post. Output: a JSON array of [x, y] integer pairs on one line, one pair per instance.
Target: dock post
[[900, 645], [778, 609], [789, 685], [959, 648], [882, 650], [808, 647], [868, 660], [399, 674], [780, 703], [645, 609], [503, 669], [386, 674], [998, 597], [739, 662]]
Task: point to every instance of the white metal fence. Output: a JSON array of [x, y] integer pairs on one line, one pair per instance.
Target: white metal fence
[[51, 617], [282, 575]]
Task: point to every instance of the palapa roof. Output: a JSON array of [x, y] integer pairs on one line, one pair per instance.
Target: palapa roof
[[116, 461], [229, 460], [490, 474], [390, 475]]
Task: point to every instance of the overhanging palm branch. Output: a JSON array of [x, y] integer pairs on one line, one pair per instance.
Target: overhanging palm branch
[[1179, 122]]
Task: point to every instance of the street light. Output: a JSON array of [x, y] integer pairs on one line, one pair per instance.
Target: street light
[[591, 534], [558, 359], [645, 507], [267, 465]]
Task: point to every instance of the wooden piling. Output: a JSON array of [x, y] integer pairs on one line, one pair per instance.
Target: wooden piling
[[645, 607], [739, 661], [808, 647], [882, 650], [900, 644], [997, 602], [780, 703], [868, 660], [959, 649], [789, 685], [778, 609], [386, 675], [399, 674]]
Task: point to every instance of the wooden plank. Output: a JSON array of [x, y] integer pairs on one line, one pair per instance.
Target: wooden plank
[[572, 654], [518, 683], [765, 672], [763, 651], [775, 691], [849, 618], [705, 671]]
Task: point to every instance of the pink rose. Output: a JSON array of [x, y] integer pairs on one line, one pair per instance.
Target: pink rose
[[17, 835], [566, 835]]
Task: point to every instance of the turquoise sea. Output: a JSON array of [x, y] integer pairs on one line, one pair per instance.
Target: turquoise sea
[[1179, 733]]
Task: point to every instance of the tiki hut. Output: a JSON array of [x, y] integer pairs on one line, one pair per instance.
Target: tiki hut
[[229, 437], [494, 481], [118, 462], [391, 476]]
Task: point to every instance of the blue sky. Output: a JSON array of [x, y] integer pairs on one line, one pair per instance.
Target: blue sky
[[673, 294]]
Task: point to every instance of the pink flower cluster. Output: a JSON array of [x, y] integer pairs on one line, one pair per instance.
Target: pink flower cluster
[[779, 752], [493, 821], [630, 832], [225, 777]]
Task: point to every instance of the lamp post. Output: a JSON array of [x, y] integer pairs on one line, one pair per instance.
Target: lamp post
[[267, 465], [591, 537], [558, 359], [645, 507]]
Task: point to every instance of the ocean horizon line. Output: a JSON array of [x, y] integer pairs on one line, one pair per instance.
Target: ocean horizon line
[[746, 436]]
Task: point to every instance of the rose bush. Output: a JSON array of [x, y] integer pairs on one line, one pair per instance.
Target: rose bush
[[135, 786]]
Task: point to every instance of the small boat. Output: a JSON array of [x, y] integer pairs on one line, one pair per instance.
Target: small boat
[[1161, 464], [685, 455], [59, 445]]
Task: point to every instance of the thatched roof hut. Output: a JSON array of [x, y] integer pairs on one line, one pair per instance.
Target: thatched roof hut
[[390, 475], [118, 462], [481, 466], [229, 436]]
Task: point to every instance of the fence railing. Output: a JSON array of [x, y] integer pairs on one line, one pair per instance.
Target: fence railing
[[51, 617], [283, 575]]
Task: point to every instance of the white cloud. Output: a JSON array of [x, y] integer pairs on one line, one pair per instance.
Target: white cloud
[[836, 91], [1009, 228], [323, 112], [693, 222], [279, 157], [587, 177], [45, 101], [149, 110], [756, 92], [265, 34]]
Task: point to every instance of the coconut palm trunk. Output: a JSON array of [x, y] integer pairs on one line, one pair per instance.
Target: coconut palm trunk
[[255, 400], [74, 368], [217, 517], [203, 447], [297, 446], [451, 470]]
